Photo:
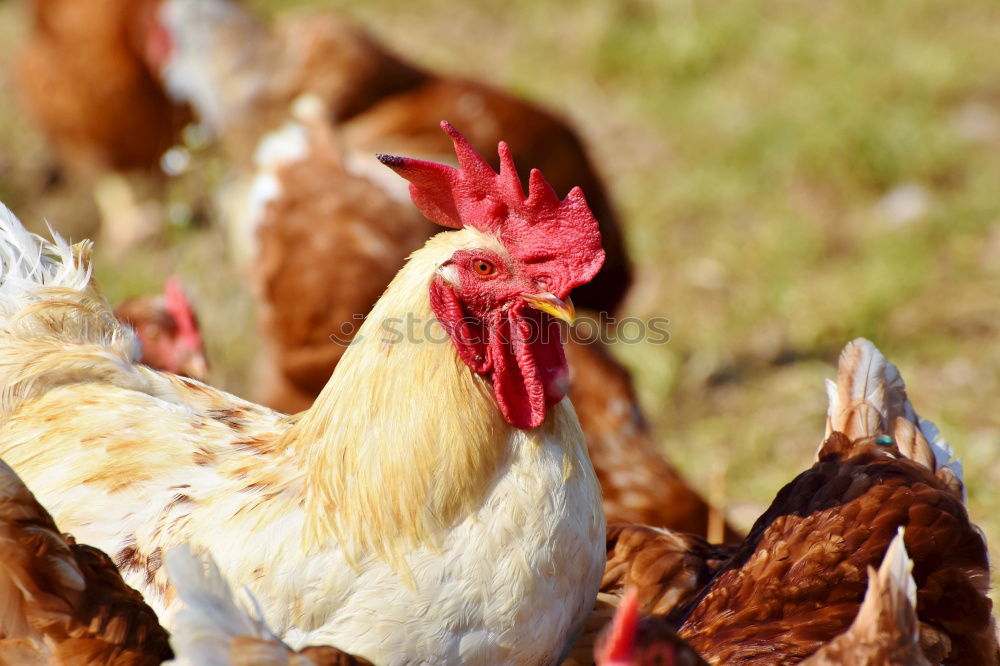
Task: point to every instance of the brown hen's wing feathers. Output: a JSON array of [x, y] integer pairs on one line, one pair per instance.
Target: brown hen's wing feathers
[[800, 576], [886, 630], [81, 78], [638, 483], [666, 568], [65, 603]]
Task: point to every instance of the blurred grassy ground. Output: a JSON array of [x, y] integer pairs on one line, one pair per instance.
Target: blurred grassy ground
[[793, 174]]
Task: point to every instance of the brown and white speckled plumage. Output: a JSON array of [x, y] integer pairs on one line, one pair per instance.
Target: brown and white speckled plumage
[[65, 604], [799, 578], [485, 543], [886, 630]]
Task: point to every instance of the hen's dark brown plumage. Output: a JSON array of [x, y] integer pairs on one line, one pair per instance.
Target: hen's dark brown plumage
[[65, 603], [886, 630], [799, 578]]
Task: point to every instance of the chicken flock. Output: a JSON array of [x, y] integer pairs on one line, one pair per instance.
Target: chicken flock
[[494, 497]]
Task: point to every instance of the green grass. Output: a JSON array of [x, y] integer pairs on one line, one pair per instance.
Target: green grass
[[750, 146]]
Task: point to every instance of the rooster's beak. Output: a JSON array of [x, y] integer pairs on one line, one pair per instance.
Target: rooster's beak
[[546, 302]]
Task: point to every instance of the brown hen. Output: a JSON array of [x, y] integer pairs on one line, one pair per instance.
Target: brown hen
[[313, 280], [65, 603], [799, 578], [83, 77]]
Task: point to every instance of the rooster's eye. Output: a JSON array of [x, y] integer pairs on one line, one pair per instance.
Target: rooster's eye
[[483, 267]]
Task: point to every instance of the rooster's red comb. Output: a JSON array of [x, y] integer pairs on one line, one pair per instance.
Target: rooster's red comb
[[538, 228]]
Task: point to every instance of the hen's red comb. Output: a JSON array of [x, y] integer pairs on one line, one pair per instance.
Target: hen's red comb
[[538, 228], [180, 308], [619, 641]]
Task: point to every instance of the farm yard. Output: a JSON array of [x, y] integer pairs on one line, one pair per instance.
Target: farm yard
[[788, 176]]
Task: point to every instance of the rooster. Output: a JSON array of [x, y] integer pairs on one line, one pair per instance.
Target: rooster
[[65, 604], [435, 505], [799, 577], [311, 279], [242, 75], [167, 331]]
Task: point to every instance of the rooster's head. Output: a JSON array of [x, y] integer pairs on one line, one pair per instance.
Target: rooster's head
[[499, 298]]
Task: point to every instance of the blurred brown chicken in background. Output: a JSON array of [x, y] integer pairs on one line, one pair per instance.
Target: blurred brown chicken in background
[[241, 76], [83, 78]]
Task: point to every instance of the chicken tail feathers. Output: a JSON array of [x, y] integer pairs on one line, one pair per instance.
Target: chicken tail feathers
[[55, 327], [868, 403], [210, 629], [29, 263], [892, 593]]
